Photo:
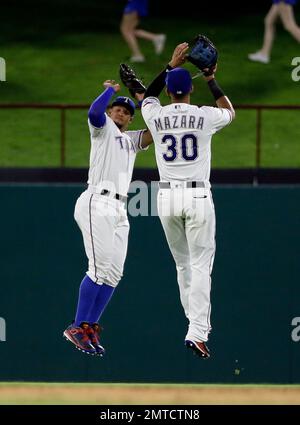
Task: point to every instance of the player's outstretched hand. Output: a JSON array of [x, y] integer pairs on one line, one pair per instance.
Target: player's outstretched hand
[[212, 72], [179, 55], [113, 84]]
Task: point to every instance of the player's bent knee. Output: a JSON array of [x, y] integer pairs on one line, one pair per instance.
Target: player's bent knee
[[100, 279], [95, 278], [113, 279], [290, 27], [112, 284]]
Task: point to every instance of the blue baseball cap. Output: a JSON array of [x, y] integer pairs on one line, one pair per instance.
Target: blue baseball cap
[[126, 102], [179, 81]]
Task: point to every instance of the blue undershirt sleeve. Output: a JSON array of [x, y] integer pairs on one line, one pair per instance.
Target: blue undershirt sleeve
[[98, 107]]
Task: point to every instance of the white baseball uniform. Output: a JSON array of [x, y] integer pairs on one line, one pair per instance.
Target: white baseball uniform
[[182, 136], [100, 211]]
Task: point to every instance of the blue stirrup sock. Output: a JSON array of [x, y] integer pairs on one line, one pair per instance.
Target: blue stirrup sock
[[93, 299], [101, 301], [88, 292]]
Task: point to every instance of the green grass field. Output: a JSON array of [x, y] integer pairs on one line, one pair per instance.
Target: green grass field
[[71, 69]]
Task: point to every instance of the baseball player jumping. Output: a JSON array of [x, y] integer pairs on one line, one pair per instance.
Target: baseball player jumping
[[100, 211], [182, 136]]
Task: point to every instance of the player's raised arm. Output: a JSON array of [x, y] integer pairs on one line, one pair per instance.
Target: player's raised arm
[[178, 58], [222, 101], [98, 107]]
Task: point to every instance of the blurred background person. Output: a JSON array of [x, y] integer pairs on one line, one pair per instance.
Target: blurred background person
[[282, 9], [133, 11]]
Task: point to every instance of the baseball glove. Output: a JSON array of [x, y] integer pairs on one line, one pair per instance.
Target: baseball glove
[[203, 55], [130, 80]]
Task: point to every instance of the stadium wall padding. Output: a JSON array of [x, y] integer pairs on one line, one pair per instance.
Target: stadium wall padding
[[255, 293]]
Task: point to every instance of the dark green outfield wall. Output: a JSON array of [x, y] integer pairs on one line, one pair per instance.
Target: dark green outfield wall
[[255, 296]]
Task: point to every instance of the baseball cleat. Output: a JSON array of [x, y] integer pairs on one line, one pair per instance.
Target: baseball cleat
[[94, 334], [199, 348], [79, 337], [137, 58], [259, 57], [159, 43]]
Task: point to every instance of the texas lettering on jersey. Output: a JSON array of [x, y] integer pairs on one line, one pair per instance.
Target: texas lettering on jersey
[[126, 144], [112, 156]]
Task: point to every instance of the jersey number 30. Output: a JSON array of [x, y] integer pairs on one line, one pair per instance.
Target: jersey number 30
[[187, 147]]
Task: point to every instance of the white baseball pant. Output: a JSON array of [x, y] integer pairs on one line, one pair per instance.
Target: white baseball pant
[[188, 219], [104, 226]]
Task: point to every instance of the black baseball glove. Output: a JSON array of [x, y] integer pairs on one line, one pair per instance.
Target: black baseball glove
[[130, 80], [203, 55]]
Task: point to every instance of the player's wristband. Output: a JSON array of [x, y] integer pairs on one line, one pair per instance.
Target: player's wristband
[[216, 90]]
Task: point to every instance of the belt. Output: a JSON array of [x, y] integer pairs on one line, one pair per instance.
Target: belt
[[105, 192], [177, 184]]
